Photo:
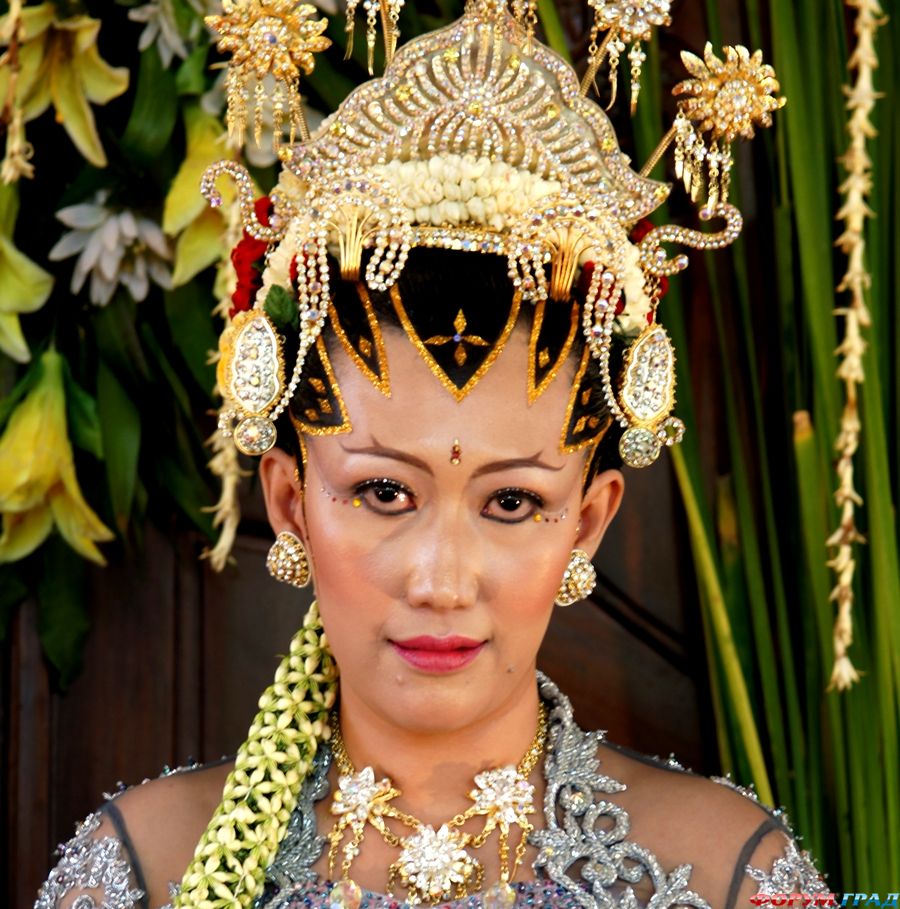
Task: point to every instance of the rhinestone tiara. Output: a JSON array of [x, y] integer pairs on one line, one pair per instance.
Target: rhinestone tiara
[[477, 137]]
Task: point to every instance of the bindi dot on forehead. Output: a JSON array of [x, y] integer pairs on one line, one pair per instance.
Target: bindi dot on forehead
[[455, 452]]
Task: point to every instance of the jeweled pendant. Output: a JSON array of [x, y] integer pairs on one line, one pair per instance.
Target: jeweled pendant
[[255, 368], [639, 447], [648, 386], [255, 435], [500, 896], [345, 895], [434, 863]]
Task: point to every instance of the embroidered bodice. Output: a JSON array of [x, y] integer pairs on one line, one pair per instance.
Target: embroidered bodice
[[585, 856]]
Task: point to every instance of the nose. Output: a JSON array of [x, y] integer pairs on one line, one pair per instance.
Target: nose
[[444, 564]]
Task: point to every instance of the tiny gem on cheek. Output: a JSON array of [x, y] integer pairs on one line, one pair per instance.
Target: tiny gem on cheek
[[357, 502]]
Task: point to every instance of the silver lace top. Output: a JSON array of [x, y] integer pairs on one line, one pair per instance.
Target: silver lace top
[[584, 856]]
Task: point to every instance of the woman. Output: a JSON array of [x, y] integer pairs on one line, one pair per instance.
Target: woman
[[441, 520]]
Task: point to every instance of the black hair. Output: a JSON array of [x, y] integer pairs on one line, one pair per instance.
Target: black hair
[[435, 280]]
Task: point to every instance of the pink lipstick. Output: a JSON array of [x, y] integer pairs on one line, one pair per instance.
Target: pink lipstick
[[432, 654]]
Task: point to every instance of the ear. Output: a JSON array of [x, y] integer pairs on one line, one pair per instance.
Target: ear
[[282, 492], [598, 507]]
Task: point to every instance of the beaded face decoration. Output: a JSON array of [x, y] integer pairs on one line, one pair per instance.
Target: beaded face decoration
[[477, 138]]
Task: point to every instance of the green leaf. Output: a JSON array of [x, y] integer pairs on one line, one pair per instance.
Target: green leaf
[[281, 308], [185, 16], [191, 76], [188, 312], [12, 591], [178, 475], [20, 389], [154, 113], [176, 386], [119, 342], [121, 428], [82, 416], [328, 82], [62, 617], [553, 28]]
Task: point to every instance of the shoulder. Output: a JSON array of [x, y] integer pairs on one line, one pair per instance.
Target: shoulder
[[711, 824], [139, 841]]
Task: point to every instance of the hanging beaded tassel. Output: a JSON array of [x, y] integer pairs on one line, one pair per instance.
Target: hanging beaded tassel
[[275, 38], [625, 22], [390, 18]]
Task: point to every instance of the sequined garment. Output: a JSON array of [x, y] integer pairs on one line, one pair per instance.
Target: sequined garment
[[584, 855], [88, 863]]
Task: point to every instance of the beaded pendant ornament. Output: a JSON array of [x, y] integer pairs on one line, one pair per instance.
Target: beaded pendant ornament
[[478, 138]]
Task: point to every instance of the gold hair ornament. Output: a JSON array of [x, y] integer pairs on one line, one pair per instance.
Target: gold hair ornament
[[389, 13], [625, 22], [726, 99], [268, 38]]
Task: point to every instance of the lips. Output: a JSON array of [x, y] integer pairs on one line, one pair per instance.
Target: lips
[[444, 654]]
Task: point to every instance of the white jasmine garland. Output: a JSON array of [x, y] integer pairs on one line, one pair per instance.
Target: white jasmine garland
[[633, 319], [278, 263], [461, 190]]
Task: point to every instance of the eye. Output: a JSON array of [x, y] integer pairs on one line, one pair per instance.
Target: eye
[[511, 506], [385, 496]]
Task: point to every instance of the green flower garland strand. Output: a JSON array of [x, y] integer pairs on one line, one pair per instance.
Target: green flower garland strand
[[229, 864]]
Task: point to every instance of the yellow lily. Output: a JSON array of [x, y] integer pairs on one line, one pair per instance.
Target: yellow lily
[[59, 64], [186, 213], [26, 287], [38, 486]]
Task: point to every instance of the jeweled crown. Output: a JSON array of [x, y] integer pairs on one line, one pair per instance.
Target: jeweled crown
[[478, 138]]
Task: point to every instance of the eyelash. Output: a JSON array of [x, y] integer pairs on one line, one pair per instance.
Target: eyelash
[[513, 491], [516, 492]]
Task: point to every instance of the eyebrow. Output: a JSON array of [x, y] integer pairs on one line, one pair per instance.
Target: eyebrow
[[396, 454]]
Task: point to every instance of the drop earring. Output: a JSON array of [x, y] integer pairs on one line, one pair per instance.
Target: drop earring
[[287, 560], [579, 579]]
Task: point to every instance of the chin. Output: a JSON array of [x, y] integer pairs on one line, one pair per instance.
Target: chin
[[439, 706]]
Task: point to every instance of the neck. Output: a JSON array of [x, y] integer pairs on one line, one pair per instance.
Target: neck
[[434, 768]]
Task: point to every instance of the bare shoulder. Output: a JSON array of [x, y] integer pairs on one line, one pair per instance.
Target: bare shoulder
[[163, 819], [687, 819]]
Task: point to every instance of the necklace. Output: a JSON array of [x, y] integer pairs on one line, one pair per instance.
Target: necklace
[[433, 865]]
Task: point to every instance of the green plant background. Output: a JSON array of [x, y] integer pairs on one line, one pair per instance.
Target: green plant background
[[757, 498]]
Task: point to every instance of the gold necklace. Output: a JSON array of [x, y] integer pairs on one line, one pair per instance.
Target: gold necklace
[[433, 865]]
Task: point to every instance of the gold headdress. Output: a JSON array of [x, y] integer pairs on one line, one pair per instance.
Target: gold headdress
[[476, 138]]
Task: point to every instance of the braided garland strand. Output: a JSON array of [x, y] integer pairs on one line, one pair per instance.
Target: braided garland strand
[[229, 864]]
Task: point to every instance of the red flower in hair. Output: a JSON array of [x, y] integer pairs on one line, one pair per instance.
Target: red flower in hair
[[247, 258], [640, 230], [264, 208], [242, 298], [246, 255]]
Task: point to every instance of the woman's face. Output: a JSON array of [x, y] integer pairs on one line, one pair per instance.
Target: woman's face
[[436, 580]]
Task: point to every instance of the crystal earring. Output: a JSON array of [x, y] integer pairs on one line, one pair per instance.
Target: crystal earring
[[578, 581], [287, 560]]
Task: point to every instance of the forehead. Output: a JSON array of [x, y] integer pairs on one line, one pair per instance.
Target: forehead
[[494, 418]]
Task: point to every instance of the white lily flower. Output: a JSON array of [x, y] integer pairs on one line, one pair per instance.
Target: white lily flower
[[113, 248]]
